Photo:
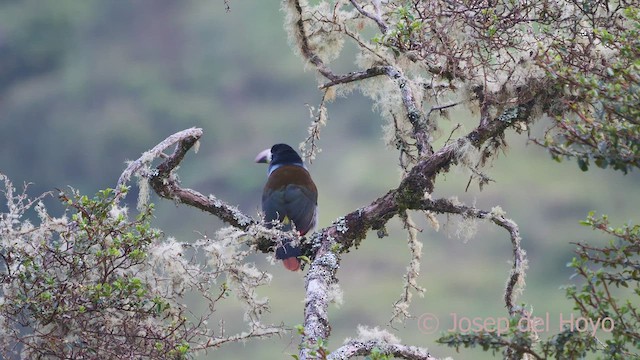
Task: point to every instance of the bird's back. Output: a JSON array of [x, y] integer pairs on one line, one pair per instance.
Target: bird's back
[[290, 194]]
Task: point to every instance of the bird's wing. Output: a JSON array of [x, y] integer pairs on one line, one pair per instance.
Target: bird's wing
[[301, 207], [291, 203]]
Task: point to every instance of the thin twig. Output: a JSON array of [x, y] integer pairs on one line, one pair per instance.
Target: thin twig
[[375, 17]]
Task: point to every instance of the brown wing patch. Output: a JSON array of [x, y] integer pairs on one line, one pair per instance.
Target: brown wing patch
[[291, 174]]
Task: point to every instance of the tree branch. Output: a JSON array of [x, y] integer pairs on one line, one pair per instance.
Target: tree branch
[[166, 185], [414, 113], [355, 348], [409, 195], [319, 280], [304, 46], [356, 76], [375, 17], [347, 231], [515, 281], [186, 138]]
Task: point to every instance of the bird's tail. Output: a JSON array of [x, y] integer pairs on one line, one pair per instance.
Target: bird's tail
[[289, 256], [288, 253], [292, 264]]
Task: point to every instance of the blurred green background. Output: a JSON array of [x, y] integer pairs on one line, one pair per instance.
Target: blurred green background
[[86, 85]]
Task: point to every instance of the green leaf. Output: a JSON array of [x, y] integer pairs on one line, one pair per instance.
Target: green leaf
[[583, 164], [601, 163]]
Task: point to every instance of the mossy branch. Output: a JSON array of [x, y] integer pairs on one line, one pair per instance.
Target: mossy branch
[[382, 25], [515, 281], [166, 185], [355, 348], [347, 231]]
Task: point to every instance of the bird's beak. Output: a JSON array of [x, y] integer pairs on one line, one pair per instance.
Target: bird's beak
[[264, 156]]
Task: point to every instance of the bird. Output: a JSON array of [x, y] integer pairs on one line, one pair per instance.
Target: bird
[[289, 196]]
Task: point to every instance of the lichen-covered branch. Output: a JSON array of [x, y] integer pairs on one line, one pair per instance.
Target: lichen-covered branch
[[356, 76], [375, 17], [347, 231], [515, 281], [166, 185], [355, 348], [401, 306], [409, 195], [185, 138], [414, 112], [351, 228], [305, 48], [318, 285]]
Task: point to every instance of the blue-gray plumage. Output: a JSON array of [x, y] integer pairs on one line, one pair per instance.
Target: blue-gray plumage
[[289, 196]]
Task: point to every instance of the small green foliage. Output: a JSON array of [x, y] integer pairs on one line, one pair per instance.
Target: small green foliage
[[607, 272], [608, 292], [181, 350], [87, 269], [317, 350], [405, 34], [513, 342], [304, 259], [336, 248], [601, 118], [377, 354]]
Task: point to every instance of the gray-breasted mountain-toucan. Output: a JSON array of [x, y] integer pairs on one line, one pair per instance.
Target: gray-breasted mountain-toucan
[[289, 196]]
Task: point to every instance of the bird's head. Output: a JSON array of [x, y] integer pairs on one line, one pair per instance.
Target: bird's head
[[279, 155]]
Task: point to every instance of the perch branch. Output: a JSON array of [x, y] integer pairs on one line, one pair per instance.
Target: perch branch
[[350, 230], [166, 185], [347, 231]]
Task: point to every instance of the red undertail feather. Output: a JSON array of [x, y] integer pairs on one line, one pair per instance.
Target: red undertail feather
[[292, 264]]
